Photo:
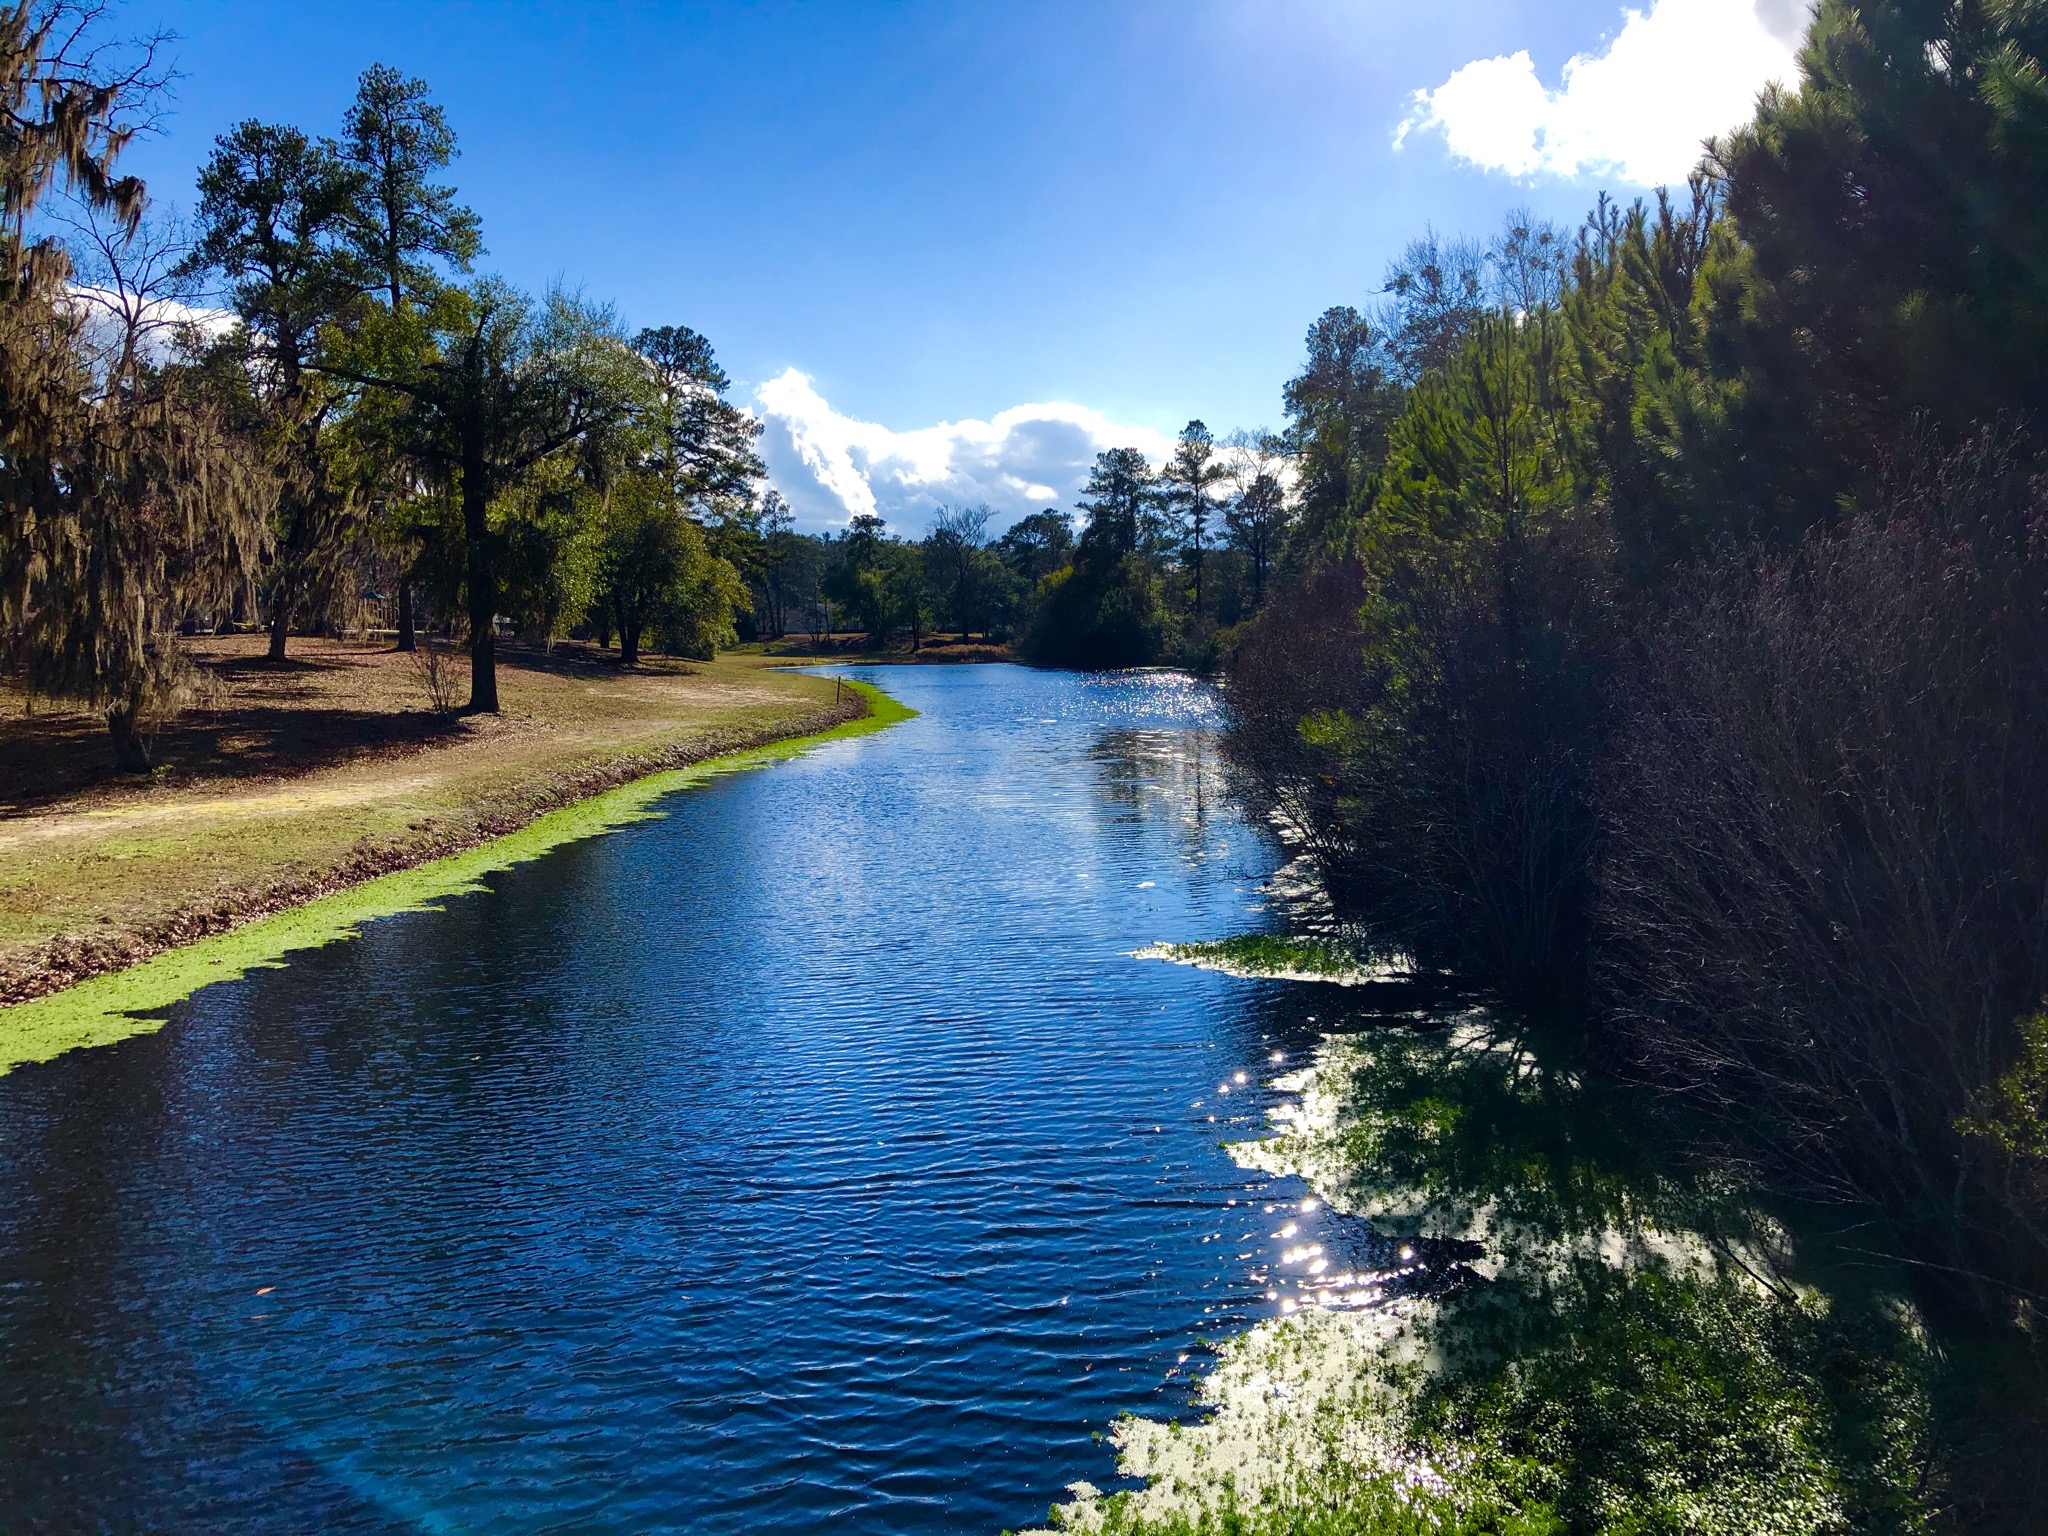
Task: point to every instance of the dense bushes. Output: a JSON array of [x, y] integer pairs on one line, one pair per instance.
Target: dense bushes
[[1776, 829], [1826, 876], [1090, 615], [1433, 751]]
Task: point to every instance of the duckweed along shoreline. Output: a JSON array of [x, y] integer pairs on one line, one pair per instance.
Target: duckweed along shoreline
[[111, 1007]]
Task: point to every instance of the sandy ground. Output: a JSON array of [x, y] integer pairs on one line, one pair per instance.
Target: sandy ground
[[279, 783]]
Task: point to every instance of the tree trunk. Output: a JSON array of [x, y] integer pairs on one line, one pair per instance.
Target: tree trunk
[[1510, 611], [131, 752], [408, 636], [629, 643], [280, 625], [483, 587]]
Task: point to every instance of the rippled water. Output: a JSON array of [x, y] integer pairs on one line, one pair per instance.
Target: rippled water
[[815, 1155]]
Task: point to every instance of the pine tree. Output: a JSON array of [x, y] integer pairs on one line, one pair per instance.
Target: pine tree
[[274, 213], [1257, 518], [402, 223], [395, 139], [1184, 486], [1117, 501], [1338, 409]]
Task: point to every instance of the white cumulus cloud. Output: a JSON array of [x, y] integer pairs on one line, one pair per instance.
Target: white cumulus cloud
[[831, 466], [1671, 77], [156, 323]]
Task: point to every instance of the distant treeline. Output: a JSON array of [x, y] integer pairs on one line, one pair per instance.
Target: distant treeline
[[1665, 630], [1167, 562]]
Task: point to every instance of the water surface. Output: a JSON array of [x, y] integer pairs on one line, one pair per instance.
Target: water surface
[[813, 1156]]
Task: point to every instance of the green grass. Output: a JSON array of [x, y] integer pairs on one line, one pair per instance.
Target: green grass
[[292, 783], [1352, 1503], [131, 1002]]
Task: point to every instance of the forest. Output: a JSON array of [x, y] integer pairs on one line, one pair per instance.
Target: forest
[[1659, 639], [304, 411]]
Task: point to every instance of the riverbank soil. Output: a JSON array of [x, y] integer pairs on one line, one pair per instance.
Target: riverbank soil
[[854, 648], [282, 782]]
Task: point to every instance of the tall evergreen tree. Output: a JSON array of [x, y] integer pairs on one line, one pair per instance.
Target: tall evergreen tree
[[704, 444], [781, 552], [1184, 485], [1338, 410], [274, 213], [1258, 515], [404, 225], [1117, 501]]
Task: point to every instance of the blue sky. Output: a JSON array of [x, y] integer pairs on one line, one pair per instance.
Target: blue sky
[[900, 217]]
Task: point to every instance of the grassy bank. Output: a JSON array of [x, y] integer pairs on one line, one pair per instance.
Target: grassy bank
[[285, 784], [114, 1006]]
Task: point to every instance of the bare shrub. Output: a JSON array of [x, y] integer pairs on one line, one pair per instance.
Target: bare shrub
[[1437, 748], [435, 670], [1302, 662], [1826, 891]]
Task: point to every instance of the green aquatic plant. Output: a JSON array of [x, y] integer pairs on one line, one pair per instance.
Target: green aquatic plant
[[1638, 1361], [1475, 1132], [1276, 955], [1646, 1401], [135, 1001], [1350, 1503]]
